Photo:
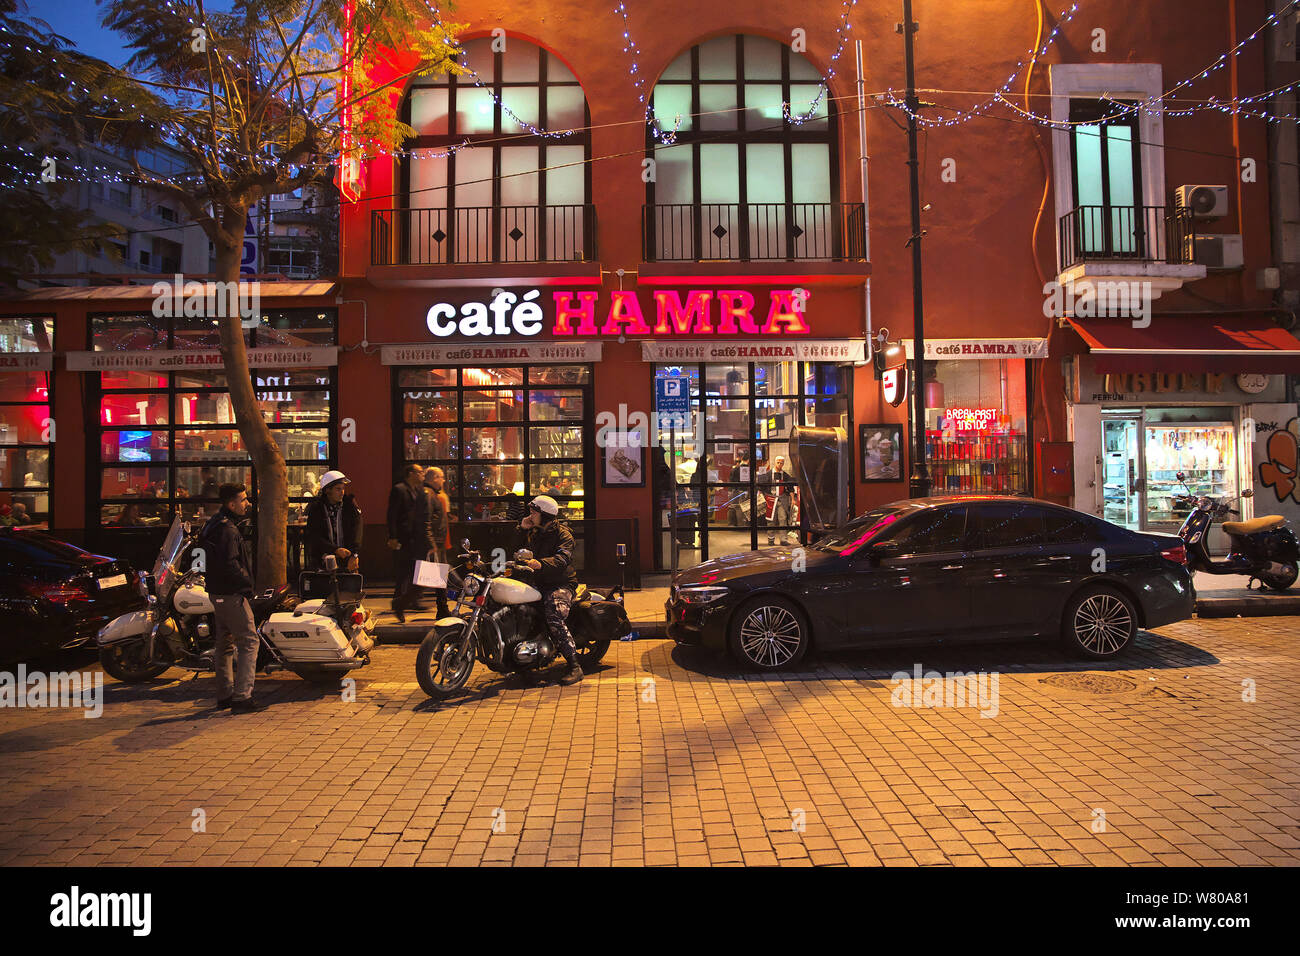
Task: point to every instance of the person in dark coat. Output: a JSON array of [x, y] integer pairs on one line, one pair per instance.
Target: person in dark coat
[[333, 524], [229, 579], [410, 535]]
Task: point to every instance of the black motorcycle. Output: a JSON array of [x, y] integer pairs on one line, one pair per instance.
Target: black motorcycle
[[499, 618], [1263, 548]]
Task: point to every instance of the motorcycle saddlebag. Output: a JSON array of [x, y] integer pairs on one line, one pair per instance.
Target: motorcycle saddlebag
[[600, 621]]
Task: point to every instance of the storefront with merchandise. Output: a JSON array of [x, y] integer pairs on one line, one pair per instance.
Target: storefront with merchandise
[[1139, 419]]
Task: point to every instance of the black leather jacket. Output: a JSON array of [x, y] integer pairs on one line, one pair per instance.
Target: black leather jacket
[[319, 537], [552, 544], [227, 568]]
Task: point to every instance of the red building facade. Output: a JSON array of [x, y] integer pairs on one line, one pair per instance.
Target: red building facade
[[512, 289]]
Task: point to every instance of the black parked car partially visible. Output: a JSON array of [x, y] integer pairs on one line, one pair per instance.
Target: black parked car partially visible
[[55, 596], [937, 570]]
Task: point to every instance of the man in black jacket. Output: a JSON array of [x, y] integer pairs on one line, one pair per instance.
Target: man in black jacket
[[552, 545], [333, 524], [229, 578], [410, 534]]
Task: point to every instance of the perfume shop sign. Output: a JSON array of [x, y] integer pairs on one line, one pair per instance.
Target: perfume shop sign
[[587, 314], [1171, 387]]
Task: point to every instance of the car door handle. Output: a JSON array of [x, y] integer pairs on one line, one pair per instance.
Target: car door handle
[[951, 567], [1059, 557]]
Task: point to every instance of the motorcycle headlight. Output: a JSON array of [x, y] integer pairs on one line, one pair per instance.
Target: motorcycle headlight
[[472, 585], [701, 595]]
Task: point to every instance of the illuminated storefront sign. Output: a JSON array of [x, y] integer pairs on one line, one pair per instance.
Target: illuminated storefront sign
[[267, 357], [704, 312], [980, 348], [972, 419], [894, 384]]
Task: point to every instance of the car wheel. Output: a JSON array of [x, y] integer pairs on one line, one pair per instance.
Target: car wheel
[[1099, 623], [769, 634]]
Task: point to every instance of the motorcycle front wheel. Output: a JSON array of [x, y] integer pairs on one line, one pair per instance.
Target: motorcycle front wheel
[[1280, 582], [444, 662], [128, 662]]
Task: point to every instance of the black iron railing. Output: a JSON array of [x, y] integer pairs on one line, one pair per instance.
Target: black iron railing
[[1126, 233], [473, 234], [754, 232]]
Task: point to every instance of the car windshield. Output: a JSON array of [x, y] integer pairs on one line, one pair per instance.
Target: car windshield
[[848, 539]]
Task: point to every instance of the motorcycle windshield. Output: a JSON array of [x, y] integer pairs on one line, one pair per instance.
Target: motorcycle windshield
[[171, 547]]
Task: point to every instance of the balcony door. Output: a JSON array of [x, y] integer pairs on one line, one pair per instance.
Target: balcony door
[[1107, 169]]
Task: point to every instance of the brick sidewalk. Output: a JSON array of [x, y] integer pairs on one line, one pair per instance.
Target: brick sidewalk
[[672, 756]]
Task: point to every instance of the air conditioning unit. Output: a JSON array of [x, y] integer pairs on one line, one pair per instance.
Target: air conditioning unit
[[1205, 202], [1214, 252]]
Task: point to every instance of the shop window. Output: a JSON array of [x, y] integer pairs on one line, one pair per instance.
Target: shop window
[[976, 426], [169, 440], [499, 440], [26, 449], [727, 492]]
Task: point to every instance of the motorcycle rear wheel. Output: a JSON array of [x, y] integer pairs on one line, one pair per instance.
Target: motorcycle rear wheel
[[439, 667], [1280, 582], [126, 662]]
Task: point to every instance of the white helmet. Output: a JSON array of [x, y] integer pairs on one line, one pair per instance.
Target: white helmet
[[330, 477], [545, 504]]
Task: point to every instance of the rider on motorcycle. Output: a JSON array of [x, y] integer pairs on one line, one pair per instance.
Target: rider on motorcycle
[[552, 545]]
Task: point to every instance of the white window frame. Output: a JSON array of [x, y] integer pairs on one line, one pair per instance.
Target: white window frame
[[1118, 81]]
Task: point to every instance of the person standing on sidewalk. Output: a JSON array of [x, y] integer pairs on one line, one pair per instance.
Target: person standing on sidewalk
[[229, 578], [438, 526], [409, 535]]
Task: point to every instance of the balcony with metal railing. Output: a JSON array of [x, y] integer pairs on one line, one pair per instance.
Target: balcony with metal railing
[[754, 232], [483, 235], [1152, 244]]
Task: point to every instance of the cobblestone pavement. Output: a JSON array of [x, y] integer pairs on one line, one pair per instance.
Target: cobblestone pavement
[[672, 756]]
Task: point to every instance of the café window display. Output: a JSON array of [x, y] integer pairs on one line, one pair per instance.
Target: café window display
[[169, 440], [730, 496], [26, 446], [500, 435], [976, 435]]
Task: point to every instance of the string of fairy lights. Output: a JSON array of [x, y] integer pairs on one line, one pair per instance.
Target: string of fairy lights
[[22, 174]]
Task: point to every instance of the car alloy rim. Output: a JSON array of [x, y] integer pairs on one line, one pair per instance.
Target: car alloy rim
[[1102, 624], [770, 636]]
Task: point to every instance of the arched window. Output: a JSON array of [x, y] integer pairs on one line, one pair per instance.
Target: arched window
[[512, 195], [741, 182]]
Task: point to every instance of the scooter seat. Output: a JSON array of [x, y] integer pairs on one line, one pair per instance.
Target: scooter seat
[[1254, 525]]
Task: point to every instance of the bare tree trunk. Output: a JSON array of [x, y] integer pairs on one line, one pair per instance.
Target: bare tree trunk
[[268, 462]]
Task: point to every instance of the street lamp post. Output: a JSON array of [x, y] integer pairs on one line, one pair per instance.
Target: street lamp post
[[919, 482]]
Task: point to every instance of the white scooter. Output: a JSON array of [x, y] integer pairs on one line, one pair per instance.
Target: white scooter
[[319, 636]]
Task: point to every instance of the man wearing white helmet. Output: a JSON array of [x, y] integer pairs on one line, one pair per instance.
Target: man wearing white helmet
[[333, 524], [552, 545]]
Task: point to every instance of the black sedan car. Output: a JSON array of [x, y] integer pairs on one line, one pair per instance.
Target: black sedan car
[[55, 596], [937, 570]]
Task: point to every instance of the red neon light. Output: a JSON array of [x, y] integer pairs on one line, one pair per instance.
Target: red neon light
[[972, 419], [866, 535], [349, 175]]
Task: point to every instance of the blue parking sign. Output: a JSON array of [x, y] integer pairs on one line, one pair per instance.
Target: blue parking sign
[[673, 402]]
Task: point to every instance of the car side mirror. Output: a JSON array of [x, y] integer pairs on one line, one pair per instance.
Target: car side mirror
[[882, 550]]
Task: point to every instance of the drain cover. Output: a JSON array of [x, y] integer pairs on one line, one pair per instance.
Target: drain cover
[[1091, 683]]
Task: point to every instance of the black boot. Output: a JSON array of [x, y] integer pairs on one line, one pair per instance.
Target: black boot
[[573, 674]]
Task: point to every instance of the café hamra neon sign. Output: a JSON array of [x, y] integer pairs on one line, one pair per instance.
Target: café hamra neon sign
[[705, 312]]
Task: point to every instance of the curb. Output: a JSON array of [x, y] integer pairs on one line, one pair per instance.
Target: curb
[[1273, 606]]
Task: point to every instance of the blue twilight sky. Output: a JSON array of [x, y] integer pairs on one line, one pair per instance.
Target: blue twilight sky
[[79, 20]]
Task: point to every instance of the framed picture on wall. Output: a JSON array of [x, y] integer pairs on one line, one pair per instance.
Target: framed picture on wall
[[623, 460], [881, 448]]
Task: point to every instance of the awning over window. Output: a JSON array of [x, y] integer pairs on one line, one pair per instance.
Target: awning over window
[[1187, 343]]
